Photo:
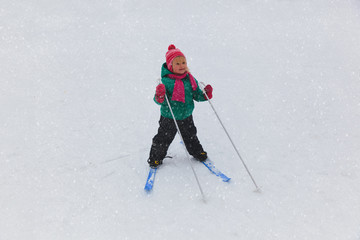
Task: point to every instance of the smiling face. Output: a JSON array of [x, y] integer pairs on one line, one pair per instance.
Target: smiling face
[[179, 65]]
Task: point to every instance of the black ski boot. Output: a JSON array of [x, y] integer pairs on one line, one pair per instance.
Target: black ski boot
[[201, 156], [154, 163]]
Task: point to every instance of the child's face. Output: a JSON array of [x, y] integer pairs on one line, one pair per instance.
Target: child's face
[[179, 65]]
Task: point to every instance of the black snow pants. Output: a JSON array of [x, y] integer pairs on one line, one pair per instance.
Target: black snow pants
[[166, 133]]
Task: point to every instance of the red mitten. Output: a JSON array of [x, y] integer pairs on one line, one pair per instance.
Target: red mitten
[[160, 93], [208, 90]]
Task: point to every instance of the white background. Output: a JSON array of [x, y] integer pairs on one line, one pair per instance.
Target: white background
[[77, 117]]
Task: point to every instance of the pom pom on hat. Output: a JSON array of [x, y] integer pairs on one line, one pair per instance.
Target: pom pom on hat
[[172, 46], [172, 54]]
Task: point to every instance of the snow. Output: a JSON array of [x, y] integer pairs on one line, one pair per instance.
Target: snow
[[77, 119]]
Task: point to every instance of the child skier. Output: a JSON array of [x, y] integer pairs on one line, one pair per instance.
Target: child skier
[[181, 88]]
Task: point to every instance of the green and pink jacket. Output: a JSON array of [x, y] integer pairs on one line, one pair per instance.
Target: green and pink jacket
[[192, 92]]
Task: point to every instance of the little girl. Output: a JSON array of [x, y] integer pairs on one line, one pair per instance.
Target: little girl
[[181, 88]]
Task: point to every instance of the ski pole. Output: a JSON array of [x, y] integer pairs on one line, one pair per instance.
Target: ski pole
[[232, 142], [188, 156]]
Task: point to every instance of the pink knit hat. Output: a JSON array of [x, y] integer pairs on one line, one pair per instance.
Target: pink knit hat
[[172, 54]]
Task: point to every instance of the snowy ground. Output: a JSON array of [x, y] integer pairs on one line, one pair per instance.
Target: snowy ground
[[77, 119]]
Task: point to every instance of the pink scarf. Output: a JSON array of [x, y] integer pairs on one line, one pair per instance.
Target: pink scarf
[[179, 89]]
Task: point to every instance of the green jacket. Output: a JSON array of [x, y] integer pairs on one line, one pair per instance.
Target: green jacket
[[180, 110]]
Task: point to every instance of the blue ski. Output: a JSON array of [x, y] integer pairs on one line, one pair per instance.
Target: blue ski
[[150, 180], [210, 165]]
